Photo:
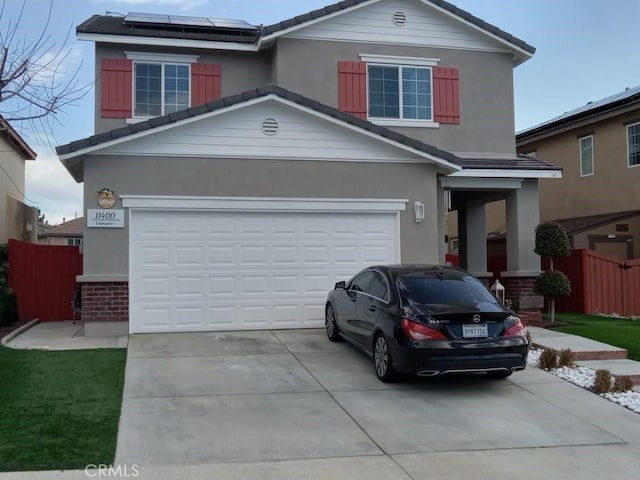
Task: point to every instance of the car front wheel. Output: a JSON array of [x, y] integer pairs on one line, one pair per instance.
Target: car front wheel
[[382, 360]]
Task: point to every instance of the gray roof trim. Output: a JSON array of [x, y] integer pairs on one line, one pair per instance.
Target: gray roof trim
[[94, 140], [336, 7], [114, 25], [522, 162], [592, 109]]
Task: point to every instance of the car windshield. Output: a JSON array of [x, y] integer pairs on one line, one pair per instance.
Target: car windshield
[[438, 289]]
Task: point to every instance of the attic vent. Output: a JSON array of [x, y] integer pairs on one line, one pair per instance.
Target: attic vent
[[270, 126], [400, 19]]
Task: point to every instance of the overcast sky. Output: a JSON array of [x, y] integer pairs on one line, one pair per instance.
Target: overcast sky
[[586, 50]]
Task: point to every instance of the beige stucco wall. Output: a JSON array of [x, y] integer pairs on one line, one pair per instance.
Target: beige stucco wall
[[11, 191], [614, 187], [581, 240], [310, 68], [106, 250], [240, 71]]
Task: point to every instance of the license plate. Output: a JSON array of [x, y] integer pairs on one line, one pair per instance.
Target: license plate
[[475, 331]]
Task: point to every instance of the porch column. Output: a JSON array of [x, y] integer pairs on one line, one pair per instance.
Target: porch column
[[476, 239], [523, 264], [523, 215]]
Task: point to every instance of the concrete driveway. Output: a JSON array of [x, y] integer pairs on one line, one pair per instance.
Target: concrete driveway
[[290, 404]]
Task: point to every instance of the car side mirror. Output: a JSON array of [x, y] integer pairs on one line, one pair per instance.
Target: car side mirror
[[341, 285]]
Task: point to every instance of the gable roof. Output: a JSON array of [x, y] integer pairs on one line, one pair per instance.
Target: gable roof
[[78, 147], [72, 228], [581, 224], [608, 104], [114, 25], [16, 140], [346, 4]]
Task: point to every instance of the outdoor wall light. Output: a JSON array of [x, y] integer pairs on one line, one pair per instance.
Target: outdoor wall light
[[418, 208]]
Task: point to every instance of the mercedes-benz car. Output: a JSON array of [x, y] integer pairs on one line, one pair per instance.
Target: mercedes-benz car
[[426, 320]]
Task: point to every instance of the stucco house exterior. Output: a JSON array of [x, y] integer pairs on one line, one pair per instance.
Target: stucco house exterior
[[68, 233], [17, 220], [598, 146], [250, 168]]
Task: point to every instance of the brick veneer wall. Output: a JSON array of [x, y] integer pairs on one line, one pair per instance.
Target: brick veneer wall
[[105, 302], [516, 287]]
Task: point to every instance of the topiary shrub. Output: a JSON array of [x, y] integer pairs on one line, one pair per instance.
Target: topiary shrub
[[551, 241], [622, 384], [565, 358], [552, 284], [602, 382], [548, 359]]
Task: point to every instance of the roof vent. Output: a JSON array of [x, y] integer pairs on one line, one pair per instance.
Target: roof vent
[[400, 19], [270, 126]]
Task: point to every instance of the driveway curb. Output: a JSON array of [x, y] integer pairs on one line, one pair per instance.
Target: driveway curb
[[10, 336]]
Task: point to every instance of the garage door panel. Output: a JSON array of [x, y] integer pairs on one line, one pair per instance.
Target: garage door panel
[[193, 271]]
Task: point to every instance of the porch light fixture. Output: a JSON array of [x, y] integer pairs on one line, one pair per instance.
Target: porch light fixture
[[418, 208], [498, 290]]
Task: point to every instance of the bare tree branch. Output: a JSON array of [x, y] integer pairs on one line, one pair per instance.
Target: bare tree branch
[[35, 83]]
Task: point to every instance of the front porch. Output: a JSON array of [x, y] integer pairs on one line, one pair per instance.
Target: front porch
[[514, 183]]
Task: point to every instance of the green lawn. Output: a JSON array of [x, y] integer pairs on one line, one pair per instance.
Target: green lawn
[[617, 332], [59, 410]]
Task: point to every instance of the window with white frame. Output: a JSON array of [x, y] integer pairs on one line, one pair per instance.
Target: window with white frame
[[160, 88], [586, 155], [74, 241], [400, 92], [633, 144]]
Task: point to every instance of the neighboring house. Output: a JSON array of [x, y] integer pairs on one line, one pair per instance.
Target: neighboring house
[[253, 167], [67, 233], [598, 198], [17, 220]]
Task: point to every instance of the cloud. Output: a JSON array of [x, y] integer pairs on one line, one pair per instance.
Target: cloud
[[51, 188]]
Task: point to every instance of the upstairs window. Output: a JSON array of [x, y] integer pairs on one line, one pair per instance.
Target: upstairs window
[[586, 156], [400, 92], [160, 88], [633, 144]]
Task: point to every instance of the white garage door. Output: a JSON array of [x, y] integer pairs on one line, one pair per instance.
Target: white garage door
[[199, 271]]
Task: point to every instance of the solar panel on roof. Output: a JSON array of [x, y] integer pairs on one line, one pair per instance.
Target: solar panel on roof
[[146, 18], [191, 21], [232, 23]]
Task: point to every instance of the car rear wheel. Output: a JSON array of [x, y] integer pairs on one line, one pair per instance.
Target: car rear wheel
[[499, 374], [330, 324], [382, 360]]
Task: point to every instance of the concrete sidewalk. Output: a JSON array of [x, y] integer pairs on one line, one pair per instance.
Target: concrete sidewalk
[[63, 336], [588, 353]]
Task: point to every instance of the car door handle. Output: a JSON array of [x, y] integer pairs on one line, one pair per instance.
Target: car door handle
[[372, 308]]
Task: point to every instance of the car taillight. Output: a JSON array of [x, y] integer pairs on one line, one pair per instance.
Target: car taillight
[[418, 331], [516, 330]]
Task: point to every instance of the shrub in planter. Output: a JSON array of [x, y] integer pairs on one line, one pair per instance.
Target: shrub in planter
[[602, 382], [566, 358], [548, 359], [622, 384]]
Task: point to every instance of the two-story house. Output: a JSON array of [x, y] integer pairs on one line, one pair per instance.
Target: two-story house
[[17, 220], [246, 169], [598, 198]]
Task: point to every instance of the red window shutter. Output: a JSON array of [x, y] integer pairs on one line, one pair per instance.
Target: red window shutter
[[205, 83], [446, 96], [352, 88], [115, 88]]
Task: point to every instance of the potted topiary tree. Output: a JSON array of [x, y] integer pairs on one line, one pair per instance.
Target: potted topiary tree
[[552, 241]]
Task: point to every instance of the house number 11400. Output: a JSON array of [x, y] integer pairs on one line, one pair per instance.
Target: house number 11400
[[99, 218]]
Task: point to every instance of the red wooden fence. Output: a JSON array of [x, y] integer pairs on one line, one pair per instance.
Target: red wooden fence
[[43, 277], [599, 283]]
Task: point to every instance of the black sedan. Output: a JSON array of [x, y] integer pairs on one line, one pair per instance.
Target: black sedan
[[426, 320]]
